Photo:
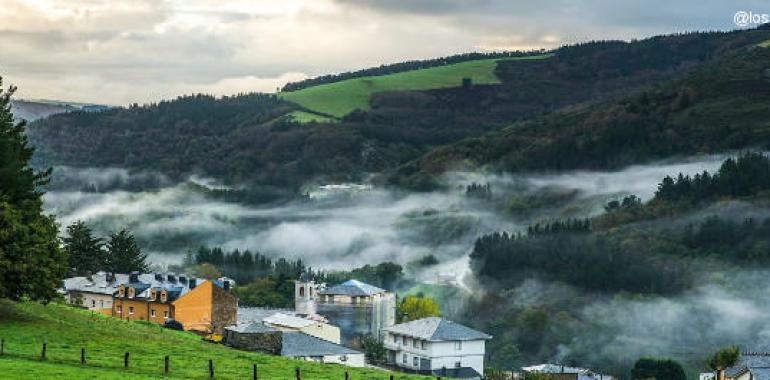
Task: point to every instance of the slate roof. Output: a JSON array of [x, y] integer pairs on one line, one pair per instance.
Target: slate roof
[[296, 344], [756, 360], [437, 329], [352, 288], [99, 284], [251, 328]]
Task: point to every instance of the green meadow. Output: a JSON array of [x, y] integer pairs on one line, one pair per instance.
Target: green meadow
[[340, 98], [25, 326]]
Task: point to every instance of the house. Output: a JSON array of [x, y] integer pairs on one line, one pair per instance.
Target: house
[[293, 344], [752, 364], [561, 372], [93, 292], [287, 322], [437, 347], [200, 305], [356, 307]]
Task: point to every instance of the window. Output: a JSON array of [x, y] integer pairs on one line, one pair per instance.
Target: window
[[152, 313], [458, 345], [424, 345], [395, 339], [301, 291], [101, 304], [415, 343], [416, 361], [93, 303], [119, 309], [405, 359], [130, 310], [458, 364], [343, 358], [165, 314], [403, 340]]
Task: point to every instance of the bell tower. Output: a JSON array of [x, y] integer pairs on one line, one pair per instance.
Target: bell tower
[[305, 292]]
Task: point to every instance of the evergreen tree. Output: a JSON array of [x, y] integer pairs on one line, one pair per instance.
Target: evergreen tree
[[86, 254], [31, 262], [123, 254], [663, 369]]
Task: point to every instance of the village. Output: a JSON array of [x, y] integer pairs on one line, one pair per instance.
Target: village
[[324, 326]]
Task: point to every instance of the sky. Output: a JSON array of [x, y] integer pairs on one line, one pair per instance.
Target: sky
[[119, 52]]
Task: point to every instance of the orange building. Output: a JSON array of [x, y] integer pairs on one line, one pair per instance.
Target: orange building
[[199, 305]]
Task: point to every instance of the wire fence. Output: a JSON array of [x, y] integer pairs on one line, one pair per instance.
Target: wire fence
[[126, 362]]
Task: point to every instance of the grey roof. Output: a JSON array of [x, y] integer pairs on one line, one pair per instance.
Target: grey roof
[[297, 344], [352, 288], [437, 329], [251, 328], [98, 283], [756, 360]]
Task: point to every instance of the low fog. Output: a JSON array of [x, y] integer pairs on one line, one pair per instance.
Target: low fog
[[349, 225], [357, 223]]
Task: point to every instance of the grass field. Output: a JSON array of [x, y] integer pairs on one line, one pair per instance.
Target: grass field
[[25, 326], [340, 98], [307, 117]]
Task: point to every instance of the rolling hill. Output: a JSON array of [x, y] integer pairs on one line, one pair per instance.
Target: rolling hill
[[723, 105], [31, 110], [376, 123], [340, 98], [25, 326]]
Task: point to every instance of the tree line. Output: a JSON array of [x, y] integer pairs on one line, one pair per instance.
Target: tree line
[[746, 175]]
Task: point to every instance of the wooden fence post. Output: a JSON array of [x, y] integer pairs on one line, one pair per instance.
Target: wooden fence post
[[125, 360], [297, 373], [42, 352], [391, 377], [2, 346], [211, 368], [254, 372], [165, 365], [82, 355], [347, 376]]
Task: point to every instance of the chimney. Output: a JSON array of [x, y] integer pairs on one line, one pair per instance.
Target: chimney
[[227, 285], [192, 283], [133, 277]]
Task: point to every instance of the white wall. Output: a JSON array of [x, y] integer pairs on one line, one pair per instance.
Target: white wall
[[441, 354], [92, 301]]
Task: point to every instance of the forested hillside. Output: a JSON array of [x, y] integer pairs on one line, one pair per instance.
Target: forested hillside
[[246, 140], [719, 106]]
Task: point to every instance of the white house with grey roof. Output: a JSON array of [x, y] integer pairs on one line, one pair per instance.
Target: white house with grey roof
[[438, 347]]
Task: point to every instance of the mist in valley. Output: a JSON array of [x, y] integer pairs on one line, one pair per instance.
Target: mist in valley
[[343, 226]]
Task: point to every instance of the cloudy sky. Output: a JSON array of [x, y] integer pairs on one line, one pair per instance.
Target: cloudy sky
[[120, 51]]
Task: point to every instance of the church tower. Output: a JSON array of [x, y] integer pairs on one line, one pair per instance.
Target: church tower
[[305, 293]]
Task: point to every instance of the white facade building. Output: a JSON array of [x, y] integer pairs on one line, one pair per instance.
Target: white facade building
[[438, 347]]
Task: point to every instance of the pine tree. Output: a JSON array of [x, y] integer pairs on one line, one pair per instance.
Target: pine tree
[[31, 262], [123, 254], [86, 254]]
